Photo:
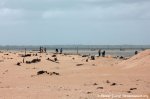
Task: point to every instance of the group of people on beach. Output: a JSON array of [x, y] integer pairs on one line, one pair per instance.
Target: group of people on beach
[[42, 50], [57, 50], [101, 53]]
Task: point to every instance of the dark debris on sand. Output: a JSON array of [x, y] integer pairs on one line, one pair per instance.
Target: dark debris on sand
[[19, 64], [113, 84], [27, 55], [95, 84], [89, 92], [79, 64], [133, 88], [107, 81], [45, 72], [33, 61], [55, 60], [100, 88]]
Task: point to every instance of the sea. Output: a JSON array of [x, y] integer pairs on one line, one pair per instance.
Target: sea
[[113, 50]]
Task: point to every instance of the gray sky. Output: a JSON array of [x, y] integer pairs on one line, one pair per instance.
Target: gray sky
[[34, 22]]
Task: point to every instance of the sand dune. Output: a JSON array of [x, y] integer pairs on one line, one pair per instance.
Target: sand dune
[[72, 77], [139, 63]]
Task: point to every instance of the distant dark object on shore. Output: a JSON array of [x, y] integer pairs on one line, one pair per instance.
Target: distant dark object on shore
[[113, 84], [79, 64], [33, 61], [19, 64], [45, 72], [27, 55], [103, 54], [121, 57], [85, 55], [136, 52], [87, 60], [54, 55], [99, 52], [41, 72], [92, 57], [55, 60]]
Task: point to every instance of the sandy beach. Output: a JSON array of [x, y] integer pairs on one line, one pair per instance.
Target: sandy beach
[[59, 76]]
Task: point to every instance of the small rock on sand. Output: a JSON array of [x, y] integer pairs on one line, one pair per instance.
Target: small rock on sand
[[100, 88], [128, 91], [113, 84], [79, 64], [41, 72], [133, 88], [92, 57], [107, 81], [85, 55], [95, 84], [45, 72], [89, 92], [87, 60], [19, 64], [73, 58], [53, 55]]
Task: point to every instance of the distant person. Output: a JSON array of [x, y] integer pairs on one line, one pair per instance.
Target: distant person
[[136, 52], [40, 49], [103, 53], [45, 50], [99, 52], [61, 50], [56, 50]]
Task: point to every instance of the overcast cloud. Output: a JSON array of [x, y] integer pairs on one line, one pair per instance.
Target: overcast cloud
[[74, 22]]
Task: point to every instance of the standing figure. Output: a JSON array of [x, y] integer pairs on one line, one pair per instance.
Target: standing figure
[[136, 52], [99, 52], [56, 50], [61, 50], [45, 50], [40, 49], [103, 53]]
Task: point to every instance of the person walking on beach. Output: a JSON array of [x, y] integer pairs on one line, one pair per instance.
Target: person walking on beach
[[136, 52], [40, 49], [99, 52], [45, 50], [103, 53], [56, 50], [61, 50]]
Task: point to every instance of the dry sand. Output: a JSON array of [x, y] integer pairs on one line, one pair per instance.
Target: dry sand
[[95, 79]]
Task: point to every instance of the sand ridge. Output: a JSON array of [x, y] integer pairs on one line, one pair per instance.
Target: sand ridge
[[77, 78]]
